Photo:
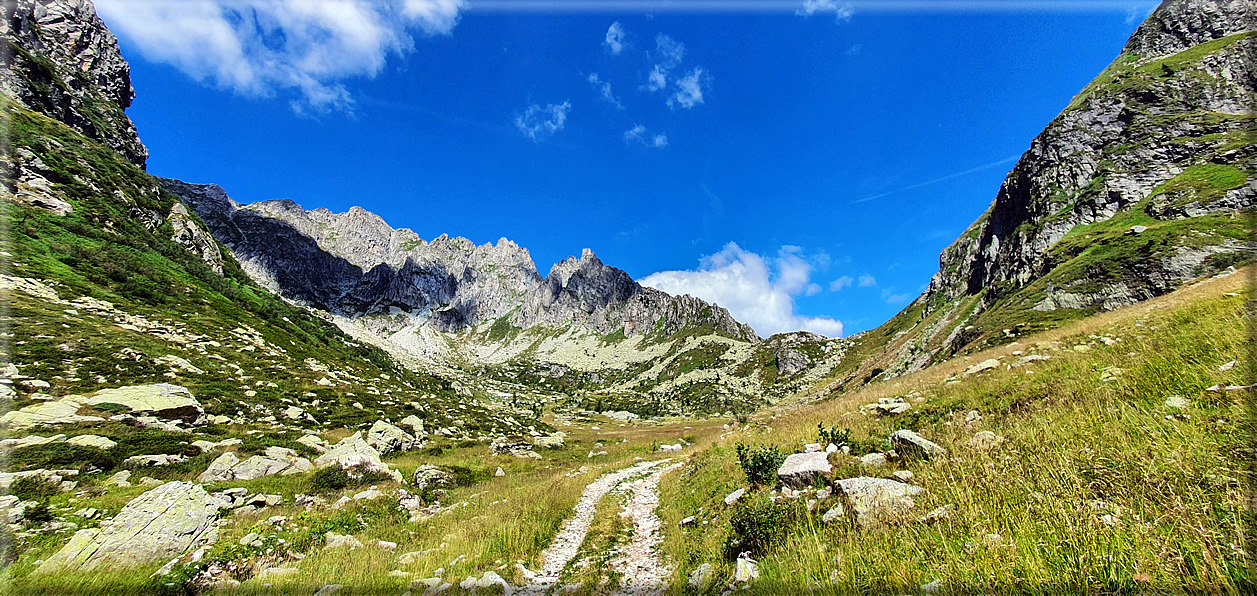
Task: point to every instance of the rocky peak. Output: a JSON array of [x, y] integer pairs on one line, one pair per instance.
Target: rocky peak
[[65, 64], [1180, 24]]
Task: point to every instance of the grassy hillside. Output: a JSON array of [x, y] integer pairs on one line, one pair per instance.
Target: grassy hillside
[[1087, 434]]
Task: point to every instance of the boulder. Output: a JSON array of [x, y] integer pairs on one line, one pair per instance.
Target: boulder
[[430, 476], [701, 576], [875, 500], [984, 441], [29, 441], [746, 569], [96, 441], [886, 406], [276, 460], [801, 469], [220, 469], [165, 522], [734, 496], [909, 443], [873, 460], [62, 411], [512, 447], [387, 438], [549, 441], [983, 366], [315, 443], [162, 400], [415, 424], [790, 361]]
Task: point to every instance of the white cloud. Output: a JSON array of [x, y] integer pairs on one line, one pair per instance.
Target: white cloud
[[615, 41], [813, 289], [670, 51], [855, 49], [539, 122], [840, 283], [842, 10], [604, 89], [891, 298], [260, 47], [638, 134], [657, 79], [757, 291], [689, 91], [867, 281]]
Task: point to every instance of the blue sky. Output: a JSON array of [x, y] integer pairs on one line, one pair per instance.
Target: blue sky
[[804, 170]]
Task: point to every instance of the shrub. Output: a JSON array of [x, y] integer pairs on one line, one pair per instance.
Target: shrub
[[153, 442], [335, 478], [833, 434], [59, 456], [760, 464], [112, 407], [30, 488], [462, 476], [37, 514], [756, 525]]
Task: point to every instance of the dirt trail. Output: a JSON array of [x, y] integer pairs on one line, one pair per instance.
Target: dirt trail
[[639, 562], [642, 568]]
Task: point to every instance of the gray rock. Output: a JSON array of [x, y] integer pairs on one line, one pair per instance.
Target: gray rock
[[354, 452], [790, 361], [734, 496], [96, 441], [165, 522], [162, 400], [387, 438], [938, 514], [1177, 402], [873, 460], [983, 366], [430, 476], [887, 406], [745, 570], [834, 514], [548, 441], [909, 443], [877, 500], [512, 447], [335, 540], [701, 576], [984, 441], [801, 469]]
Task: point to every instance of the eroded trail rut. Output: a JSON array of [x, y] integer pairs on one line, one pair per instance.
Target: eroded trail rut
[[638, 562]]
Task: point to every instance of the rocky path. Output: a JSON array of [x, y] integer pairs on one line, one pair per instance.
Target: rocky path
[[637, 558], [638, 562]]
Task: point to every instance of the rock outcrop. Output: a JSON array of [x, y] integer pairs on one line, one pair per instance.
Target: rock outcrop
[[162, 523], [64, 63], [1138, 185]]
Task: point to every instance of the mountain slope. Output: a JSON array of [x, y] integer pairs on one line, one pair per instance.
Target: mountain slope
[[113, 282], [1146, 180], [485, 315]]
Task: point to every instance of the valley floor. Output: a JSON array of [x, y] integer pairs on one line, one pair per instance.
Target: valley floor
[[1111, 455]]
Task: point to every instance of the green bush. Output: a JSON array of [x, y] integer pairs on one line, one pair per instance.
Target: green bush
[[833, 434], [59, 456], [462, 476], [757, 524], [38, 514], [30, 488], [760, 464], [334, 478], [153, 442]]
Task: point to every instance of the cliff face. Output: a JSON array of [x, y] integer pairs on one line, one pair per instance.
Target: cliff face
[[1138, 186], [354, 264], [62, 62]]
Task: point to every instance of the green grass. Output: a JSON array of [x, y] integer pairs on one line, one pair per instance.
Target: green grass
[[1072, 440]]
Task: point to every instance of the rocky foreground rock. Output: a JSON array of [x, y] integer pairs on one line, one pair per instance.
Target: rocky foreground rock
[[163, 523]]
